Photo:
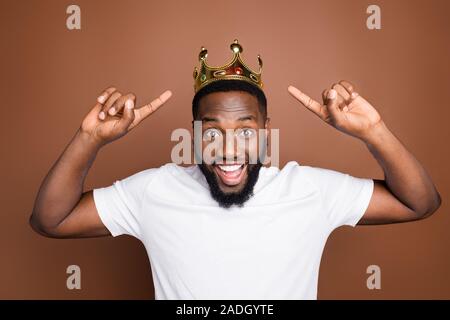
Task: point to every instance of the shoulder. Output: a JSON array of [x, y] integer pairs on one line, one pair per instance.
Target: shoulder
[[292, 182], [174, 183], [146, 176], [297, 175], [318, 173], [295, 171]]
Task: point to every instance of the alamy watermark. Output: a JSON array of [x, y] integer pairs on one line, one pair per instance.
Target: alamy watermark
[[374, 280], [215, 146], [74, 279]]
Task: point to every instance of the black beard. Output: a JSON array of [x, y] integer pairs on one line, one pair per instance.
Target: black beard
[[226, 200]]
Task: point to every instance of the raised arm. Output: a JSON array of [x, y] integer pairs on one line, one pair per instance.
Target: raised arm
[[407, 193], [61, 208]]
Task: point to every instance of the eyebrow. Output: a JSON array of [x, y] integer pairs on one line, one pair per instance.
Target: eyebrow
[[247, 118], [244, 118], [208, 119]]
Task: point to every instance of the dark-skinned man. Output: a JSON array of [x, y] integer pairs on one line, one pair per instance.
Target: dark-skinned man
[[231, 228]]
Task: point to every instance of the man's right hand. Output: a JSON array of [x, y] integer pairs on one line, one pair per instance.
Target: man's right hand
[[62, 209], [115, 114]]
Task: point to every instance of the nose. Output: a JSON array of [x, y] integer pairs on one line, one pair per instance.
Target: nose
[[231, 152], [229, 147]]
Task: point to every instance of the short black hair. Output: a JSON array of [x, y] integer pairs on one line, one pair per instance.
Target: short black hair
[[230, 85]]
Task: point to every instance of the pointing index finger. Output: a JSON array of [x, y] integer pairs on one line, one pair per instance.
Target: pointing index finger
[[307, 101], [158, 102], [148, 109]]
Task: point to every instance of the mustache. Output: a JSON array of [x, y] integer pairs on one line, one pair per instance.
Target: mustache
[[226, 200], [227, 161]]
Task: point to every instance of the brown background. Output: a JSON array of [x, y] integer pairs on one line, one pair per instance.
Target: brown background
[[52, 76]]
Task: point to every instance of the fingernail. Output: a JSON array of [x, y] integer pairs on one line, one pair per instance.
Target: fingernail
[[331, 94], [166, 95], [101, 99], [112, 111], [129, 104], [345, 109], [354, 95], [293, 89], [101, 115]]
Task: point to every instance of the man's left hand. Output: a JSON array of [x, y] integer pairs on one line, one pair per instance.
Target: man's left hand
[[343, 108]]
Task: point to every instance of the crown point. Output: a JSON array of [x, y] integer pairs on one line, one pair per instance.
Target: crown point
[[203, 54], [236, 47], [260, 61], [235, 69]]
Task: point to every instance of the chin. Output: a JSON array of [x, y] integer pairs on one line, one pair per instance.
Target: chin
[[232, 183]]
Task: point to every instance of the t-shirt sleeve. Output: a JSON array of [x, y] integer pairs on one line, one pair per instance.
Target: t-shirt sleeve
[[119, 205], [345, 197]]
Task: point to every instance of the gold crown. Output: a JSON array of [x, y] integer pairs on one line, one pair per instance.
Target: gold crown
[[236, 69]]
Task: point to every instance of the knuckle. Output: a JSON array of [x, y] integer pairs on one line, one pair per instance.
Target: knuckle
[[113, 97], [108, 92], [347, 85], [112, 101]]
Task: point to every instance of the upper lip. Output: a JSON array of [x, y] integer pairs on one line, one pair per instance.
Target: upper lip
[[229, 163]]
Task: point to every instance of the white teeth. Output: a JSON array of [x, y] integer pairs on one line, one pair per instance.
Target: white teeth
[[230, 168]]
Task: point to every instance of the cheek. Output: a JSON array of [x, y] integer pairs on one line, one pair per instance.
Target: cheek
[[212, 150], [256, 147], [252, 145], [248, 148]]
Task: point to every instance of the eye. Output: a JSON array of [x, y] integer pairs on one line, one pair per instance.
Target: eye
[[211, 133], [246, 133]]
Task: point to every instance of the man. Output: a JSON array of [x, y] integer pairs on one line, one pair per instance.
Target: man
[[230, 228]]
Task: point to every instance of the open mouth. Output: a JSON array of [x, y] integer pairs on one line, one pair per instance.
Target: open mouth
[[231, 174]]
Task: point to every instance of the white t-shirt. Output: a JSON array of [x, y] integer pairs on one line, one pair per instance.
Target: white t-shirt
[[269, 249]]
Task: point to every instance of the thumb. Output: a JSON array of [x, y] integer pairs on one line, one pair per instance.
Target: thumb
[[332, 104], [128, 114]]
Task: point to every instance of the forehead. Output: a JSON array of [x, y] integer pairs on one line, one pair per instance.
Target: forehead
[[228, 104]]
